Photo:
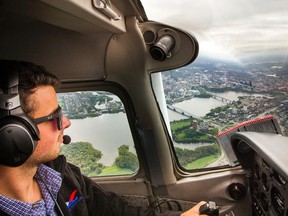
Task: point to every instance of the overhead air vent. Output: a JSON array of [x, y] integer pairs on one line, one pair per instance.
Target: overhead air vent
[[162, 48]]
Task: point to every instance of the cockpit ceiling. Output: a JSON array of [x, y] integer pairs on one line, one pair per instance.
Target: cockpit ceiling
[[76, 40], [67, 53], [58, 33], [75, 15]]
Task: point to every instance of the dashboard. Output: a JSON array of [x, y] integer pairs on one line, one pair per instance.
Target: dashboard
[[266, 156], [269, 189]]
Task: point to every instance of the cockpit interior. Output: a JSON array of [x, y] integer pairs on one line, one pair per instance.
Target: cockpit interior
[[123, 74]]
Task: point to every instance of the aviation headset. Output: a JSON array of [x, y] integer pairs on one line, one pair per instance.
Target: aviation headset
[[18, 133]]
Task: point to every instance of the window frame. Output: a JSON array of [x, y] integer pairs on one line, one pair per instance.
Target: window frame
[[180, 171], [119, 91]]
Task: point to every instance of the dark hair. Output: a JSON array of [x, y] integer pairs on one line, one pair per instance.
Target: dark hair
[[30, 77]]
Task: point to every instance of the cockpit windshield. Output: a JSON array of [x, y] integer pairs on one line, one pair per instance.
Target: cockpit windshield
[[241, 72]]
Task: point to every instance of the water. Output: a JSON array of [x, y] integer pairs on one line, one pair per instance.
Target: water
[[109, 131], [106, 133], [201, 106]]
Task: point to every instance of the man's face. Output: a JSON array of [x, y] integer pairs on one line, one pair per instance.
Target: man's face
[[48, 147]]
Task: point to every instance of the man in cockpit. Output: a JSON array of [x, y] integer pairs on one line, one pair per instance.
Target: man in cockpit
[[34, 179]]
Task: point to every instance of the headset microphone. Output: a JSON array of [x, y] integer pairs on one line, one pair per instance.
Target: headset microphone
[[66, 139]]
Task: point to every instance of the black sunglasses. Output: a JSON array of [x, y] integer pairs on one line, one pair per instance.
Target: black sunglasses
[[57, 115]]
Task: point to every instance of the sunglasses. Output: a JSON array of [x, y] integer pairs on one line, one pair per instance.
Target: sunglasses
[[56, 115]]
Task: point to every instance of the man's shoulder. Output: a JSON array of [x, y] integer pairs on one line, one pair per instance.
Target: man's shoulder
[[57, 164], [61, 165]]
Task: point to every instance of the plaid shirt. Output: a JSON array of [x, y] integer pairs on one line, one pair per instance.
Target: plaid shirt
[[42, 207]]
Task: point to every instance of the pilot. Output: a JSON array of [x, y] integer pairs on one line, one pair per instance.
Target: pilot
[[40, 181]]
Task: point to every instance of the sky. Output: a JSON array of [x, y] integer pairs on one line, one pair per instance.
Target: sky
[[235, 29]]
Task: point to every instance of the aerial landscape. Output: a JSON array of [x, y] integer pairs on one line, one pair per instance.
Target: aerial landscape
[[262, 85]]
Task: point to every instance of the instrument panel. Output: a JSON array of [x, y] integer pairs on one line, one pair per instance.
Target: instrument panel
[[265, 155], [269, 190]]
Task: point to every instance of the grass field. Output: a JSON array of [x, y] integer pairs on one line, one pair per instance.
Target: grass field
[[114, 170], [203, 162], [180, 124], [200, 163]]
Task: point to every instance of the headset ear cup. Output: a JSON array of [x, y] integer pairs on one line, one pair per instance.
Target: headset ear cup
[[17, 143], [18, 133]]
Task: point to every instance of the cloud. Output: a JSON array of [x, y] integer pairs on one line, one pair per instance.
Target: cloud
[[262, 34], [237, 29]]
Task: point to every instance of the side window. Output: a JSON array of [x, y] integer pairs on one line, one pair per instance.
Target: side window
[[101, 140]]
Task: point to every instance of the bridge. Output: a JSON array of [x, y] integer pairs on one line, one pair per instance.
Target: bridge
[[181, 111], [187, 114], [217, 97]]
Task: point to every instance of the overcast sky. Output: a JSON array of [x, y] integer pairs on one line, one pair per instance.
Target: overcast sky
[[228, 28]]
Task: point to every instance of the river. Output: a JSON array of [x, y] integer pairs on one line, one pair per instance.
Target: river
[[109, 131], [201, 106]]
